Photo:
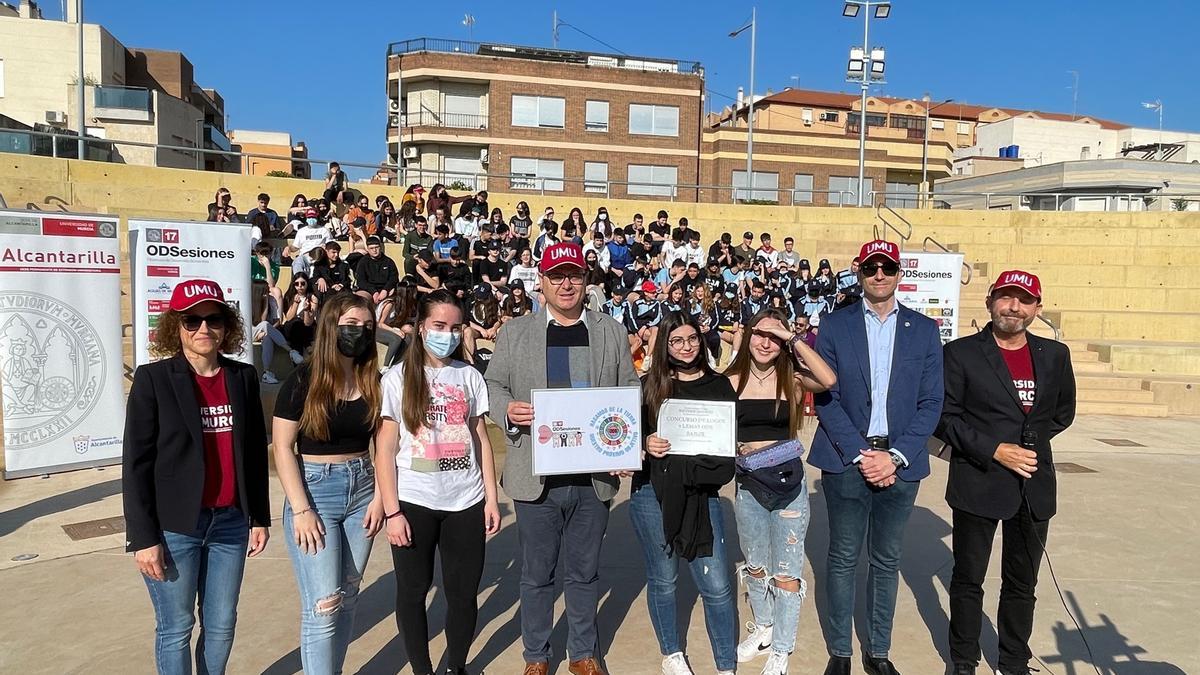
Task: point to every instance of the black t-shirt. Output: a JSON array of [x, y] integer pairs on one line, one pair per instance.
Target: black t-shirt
[[480, 248], [708, 387], [660, 230], [457, 277], [495, 271], [349, 431]]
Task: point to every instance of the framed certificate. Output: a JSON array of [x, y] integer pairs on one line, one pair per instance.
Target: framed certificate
[[699, 427], [591, 430]]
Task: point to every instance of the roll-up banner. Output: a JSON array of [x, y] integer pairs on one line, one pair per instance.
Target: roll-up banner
[[163, 253], [60, 341], [931, 285]]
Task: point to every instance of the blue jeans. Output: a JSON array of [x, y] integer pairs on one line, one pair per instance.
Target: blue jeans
[[711, 575], [206, 563], [773, 542], [329, 580], [857, 511], [570, 518]]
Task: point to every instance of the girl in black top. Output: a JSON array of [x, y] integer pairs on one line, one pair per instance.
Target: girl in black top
[[517, 302], [483, 320], [675, 508], [772, 513], [325, 417]]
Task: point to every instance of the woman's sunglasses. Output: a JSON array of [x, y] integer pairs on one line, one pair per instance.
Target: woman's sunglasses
[[191, 322]]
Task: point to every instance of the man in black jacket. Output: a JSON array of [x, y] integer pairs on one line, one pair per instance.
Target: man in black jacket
[[376, 275], [1008, 393], [334, 276]]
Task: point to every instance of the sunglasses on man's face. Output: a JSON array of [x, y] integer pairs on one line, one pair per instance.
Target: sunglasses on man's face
[[890, 269], [191, 322]]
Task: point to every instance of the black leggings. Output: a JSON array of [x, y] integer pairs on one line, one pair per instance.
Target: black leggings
[[459, 536]]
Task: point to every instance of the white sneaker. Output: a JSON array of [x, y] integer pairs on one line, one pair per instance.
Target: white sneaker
[[269, 378], [757, 643], [777, 664], [725, 672], [676, 664], [297, 357]]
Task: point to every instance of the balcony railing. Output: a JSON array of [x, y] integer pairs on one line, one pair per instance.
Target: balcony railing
[[121, 98], [216, 138], [430, 118], [622, 61]]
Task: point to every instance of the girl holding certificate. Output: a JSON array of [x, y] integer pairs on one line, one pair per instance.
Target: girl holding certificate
[[441, 495], [675, 508], [771, 373]]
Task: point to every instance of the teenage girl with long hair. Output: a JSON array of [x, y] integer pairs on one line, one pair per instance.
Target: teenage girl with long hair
[[772, 370], [670, 487], [439, 484], [325, 416]]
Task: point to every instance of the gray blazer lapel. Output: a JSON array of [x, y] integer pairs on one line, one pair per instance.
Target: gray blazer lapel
[[536, 359], [598, 345]]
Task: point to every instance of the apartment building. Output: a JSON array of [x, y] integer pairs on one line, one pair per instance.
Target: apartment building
[[535, 119], [269, 146], [132, 94], [806, 147]]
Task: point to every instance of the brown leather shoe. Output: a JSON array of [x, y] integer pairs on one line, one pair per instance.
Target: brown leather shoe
[[588, 666], [539, 668]]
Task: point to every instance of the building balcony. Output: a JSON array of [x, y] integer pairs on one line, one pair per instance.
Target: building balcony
[[115, 102], [430, 118], [214, 139]]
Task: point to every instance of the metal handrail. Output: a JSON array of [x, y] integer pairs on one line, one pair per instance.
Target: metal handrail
[[880, 219], [1059, 197], [427, 44], [1048, 322], [935, 242]]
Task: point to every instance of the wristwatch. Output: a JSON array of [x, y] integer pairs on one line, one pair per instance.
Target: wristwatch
[[896, 460]]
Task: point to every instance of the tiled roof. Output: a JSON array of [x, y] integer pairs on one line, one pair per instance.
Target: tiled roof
[[842, 101]]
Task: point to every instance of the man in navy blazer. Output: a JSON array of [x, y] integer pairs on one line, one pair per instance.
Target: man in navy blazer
[[870, 446]]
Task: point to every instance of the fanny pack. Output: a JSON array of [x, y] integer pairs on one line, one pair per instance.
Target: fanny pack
[[771, 455], [773, 474]]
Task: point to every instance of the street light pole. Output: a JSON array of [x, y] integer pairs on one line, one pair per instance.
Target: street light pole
[[1158, 106], [80, 89], [753, 26], [925, 148], [862, 111]]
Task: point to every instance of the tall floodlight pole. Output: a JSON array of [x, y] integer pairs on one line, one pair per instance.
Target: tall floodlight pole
[[866, 66]]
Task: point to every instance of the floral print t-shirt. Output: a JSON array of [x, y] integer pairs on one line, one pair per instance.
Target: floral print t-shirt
[[438, 467]]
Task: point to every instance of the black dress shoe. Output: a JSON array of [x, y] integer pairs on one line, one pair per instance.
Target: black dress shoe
[[879, 666], [838, 665], [963, 669]]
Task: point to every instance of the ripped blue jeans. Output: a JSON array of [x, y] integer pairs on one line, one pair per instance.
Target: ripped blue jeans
[[329, 580], [773, 541]]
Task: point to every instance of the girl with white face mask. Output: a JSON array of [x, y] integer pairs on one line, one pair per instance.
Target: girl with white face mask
[[441, 495]]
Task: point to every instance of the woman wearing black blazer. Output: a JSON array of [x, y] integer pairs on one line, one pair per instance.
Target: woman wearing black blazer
[[195, 476]]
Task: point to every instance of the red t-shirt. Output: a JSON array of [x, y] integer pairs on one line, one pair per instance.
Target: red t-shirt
[[1020, 367], [216, 423]]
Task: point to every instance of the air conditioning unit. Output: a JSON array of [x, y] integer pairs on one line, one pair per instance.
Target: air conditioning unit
[[56, 117], [393, 120], [394, 105], [411, 152], [829, 117], [483, 155]]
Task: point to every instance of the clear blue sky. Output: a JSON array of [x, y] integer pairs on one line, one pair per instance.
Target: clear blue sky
[[316, 69]]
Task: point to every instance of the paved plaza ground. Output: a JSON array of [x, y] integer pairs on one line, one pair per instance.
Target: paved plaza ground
[[1124, 547]]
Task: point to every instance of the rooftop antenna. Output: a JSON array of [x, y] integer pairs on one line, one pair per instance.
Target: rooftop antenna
[[1074, 93]]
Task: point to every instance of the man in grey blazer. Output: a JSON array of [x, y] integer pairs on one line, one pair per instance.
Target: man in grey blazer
[[561, 346]]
